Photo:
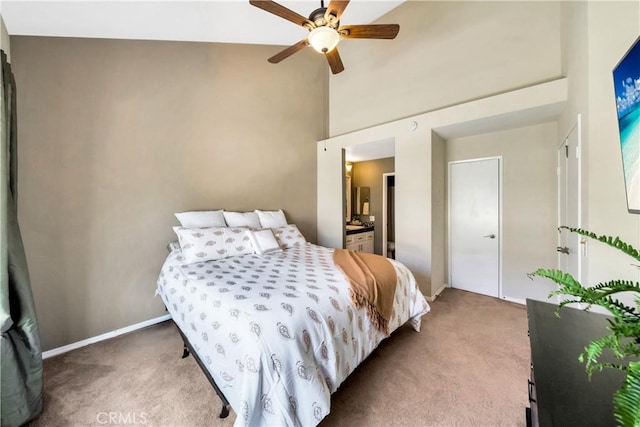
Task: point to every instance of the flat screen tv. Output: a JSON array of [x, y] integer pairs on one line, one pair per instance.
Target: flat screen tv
[[626, 78]]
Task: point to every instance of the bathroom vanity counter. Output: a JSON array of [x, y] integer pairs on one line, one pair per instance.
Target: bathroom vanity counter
[[356, 229], [359, 239]]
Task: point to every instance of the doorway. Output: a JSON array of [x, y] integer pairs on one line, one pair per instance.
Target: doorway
[[475, 225], [388, 215]]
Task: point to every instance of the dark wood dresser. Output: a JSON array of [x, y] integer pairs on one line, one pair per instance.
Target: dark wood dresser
[[560, 392]]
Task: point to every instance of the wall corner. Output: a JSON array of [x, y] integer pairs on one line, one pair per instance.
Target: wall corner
[[4, 39]]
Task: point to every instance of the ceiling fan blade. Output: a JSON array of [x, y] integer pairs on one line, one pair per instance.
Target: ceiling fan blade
[[335, 8], [334, 61], [288, 51], [281, 11], [376, 31]]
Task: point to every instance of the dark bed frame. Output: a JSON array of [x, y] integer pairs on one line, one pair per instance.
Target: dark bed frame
[[188, 349]]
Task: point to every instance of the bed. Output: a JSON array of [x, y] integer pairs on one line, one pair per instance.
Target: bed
[[277, 333]]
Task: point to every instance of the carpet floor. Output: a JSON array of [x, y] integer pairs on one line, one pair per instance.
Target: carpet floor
[[468, 367]]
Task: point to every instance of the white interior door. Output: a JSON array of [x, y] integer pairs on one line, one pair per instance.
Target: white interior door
[[569, 257], [474, 226]]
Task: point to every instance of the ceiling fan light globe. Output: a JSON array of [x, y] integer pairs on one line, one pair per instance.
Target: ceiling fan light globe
[[323, 39]]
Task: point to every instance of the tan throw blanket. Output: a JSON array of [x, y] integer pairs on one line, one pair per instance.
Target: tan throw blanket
[[373, 283]]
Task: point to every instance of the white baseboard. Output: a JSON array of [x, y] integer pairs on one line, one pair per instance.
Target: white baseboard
[[438, 292], [105, 336], [515, 300]]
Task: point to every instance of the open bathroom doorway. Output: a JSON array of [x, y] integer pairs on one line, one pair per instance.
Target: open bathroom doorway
[[388, 215]]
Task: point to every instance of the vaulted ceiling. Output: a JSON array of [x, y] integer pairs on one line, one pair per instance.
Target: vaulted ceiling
[[232, 21]]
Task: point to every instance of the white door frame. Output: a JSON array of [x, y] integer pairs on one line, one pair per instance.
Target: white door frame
[[500, 240], [384, 211], [577, 126]]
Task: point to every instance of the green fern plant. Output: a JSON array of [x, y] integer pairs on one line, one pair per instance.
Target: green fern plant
[[624, 326]]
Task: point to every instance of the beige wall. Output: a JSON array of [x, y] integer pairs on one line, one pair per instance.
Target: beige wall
[[595, 36], [116, 136], [447, 52], [438, 212], [612, 29], [529, 200], [416, 162], [4, 39], [369, 174]]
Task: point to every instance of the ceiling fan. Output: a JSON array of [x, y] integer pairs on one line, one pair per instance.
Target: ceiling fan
[[324, 30]]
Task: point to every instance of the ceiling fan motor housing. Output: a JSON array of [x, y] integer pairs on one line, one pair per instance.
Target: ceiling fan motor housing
[[317, 17]]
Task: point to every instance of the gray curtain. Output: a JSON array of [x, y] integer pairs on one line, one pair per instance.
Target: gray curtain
[[20, 356]]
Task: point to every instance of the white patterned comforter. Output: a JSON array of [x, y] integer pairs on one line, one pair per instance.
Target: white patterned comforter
[[278, 332]]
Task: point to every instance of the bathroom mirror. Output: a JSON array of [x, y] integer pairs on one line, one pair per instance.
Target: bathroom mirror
[[361, 201]]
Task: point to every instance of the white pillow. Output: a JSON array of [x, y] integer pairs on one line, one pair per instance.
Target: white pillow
[[199, 219], [264, 242], [237, 242], [271, 219], [242, 219], [211, 243], [289, 236]]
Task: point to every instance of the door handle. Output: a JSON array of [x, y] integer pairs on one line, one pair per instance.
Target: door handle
[[491, 236], [563, 250]]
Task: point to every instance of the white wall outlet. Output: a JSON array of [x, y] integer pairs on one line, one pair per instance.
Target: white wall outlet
[[372, 218]]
